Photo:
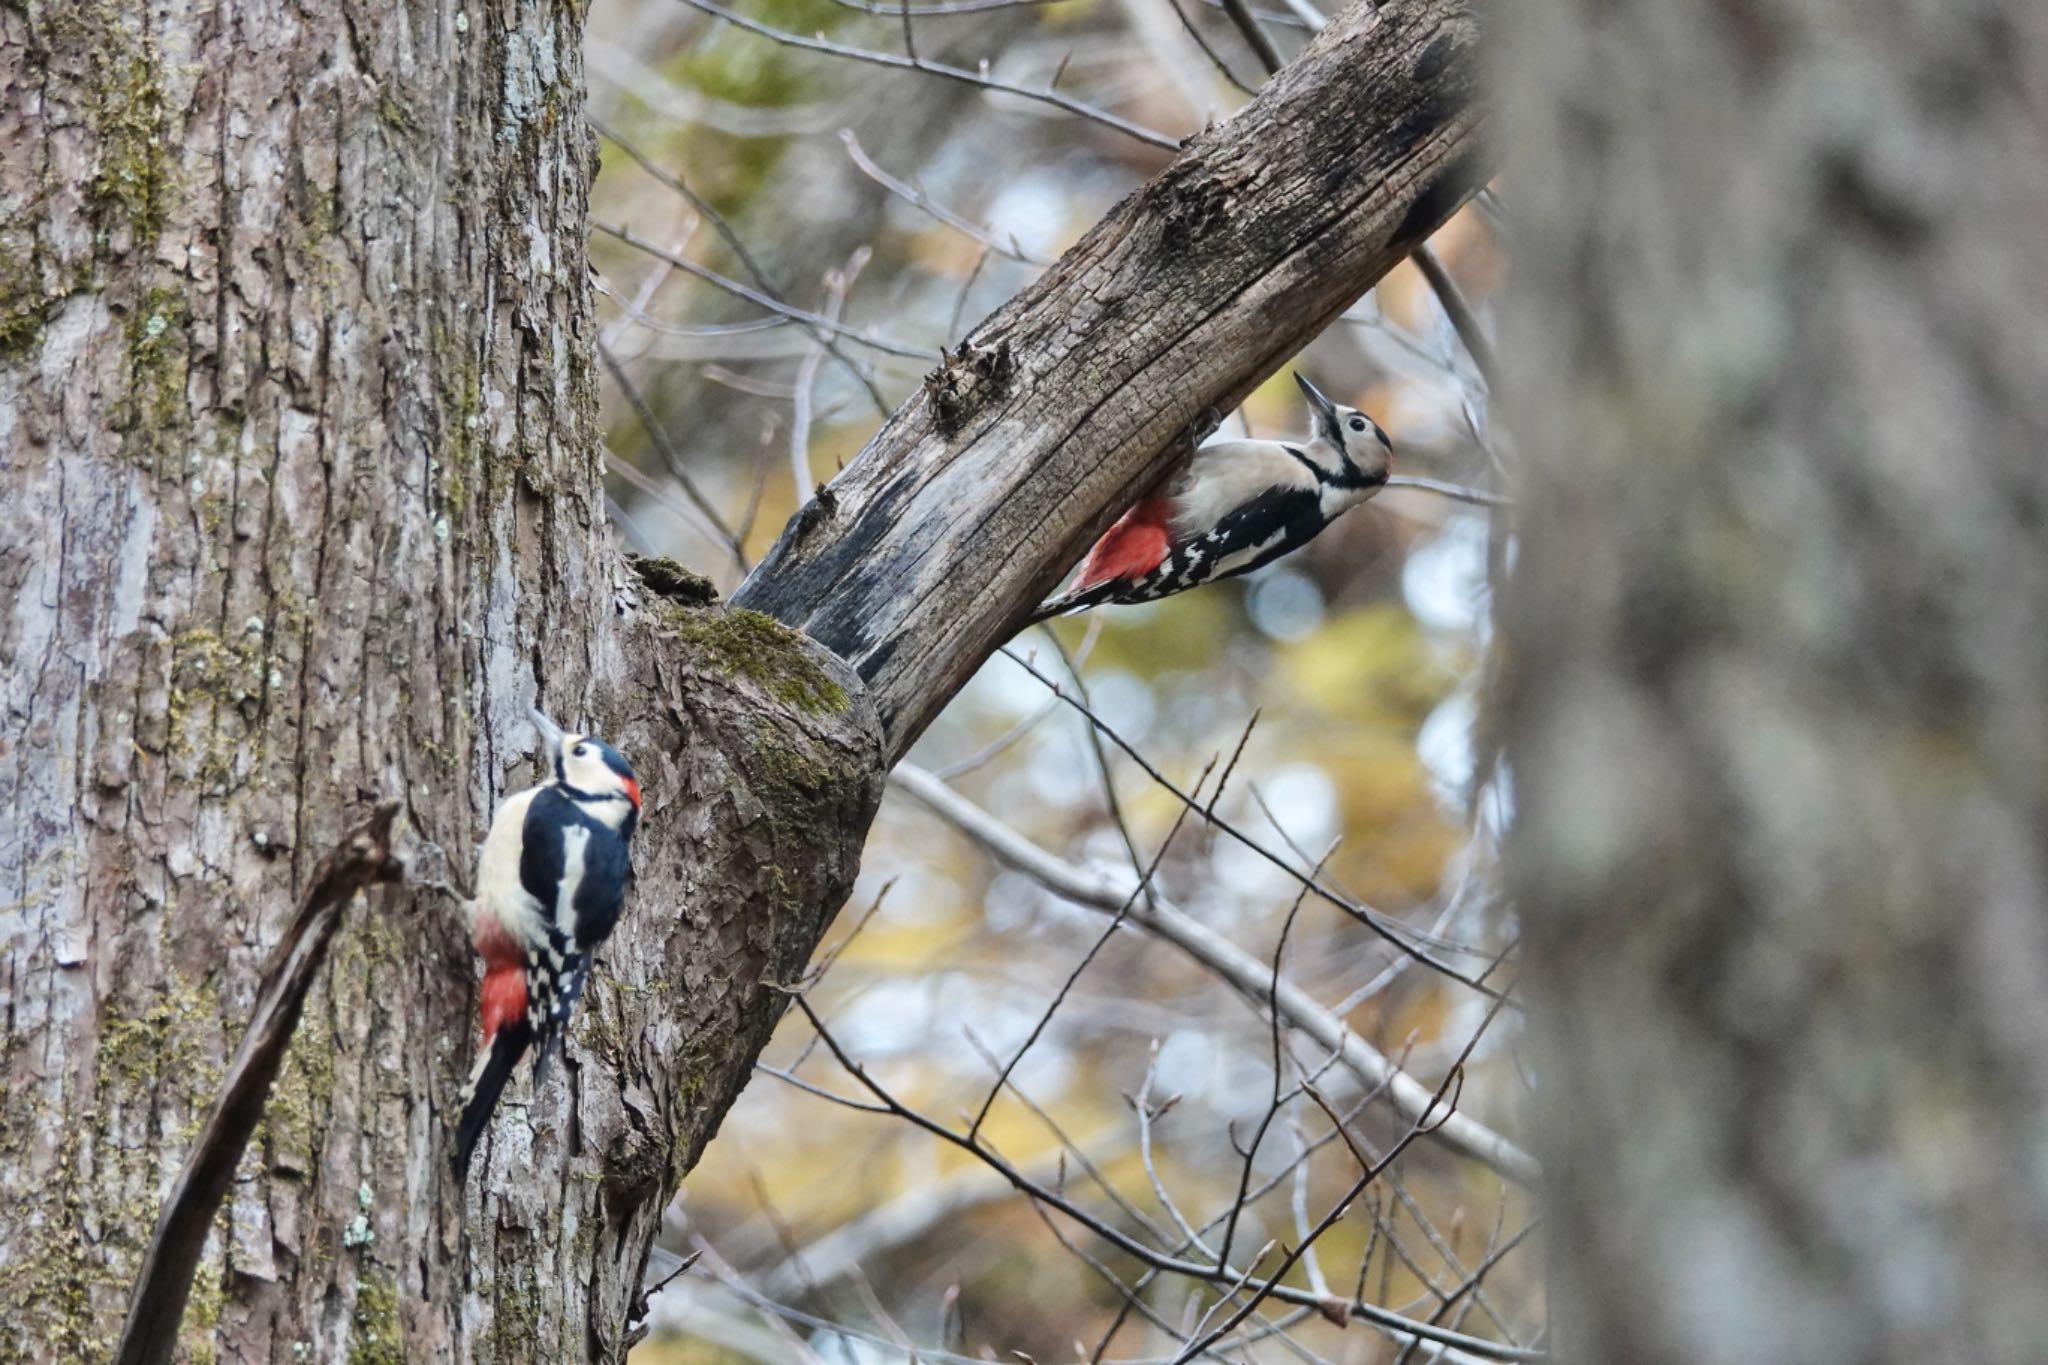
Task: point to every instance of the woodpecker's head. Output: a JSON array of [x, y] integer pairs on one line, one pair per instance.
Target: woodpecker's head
[[587, 768], [1363, 455]]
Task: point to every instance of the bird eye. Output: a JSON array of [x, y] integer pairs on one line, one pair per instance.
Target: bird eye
[[581, 751], [1358, 424]]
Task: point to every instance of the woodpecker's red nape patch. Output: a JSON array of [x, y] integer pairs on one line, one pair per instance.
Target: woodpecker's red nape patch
[[504, 998], [1132, 548], [632, 786]]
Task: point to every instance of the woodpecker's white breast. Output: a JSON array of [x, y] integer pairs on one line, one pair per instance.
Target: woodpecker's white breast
[[499, 892], [1225, 475]]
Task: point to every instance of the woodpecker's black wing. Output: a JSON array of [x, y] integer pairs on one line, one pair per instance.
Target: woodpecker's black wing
[[1264, 528], [1105, 591], [601, 894], [543, 847], [568, 853], [494, 1069]]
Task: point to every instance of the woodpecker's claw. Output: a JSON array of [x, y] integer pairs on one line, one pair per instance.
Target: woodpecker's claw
[[421, 869]]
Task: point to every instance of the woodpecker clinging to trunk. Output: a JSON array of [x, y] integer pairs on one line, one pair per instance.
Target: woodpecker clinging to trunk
[[1234, 506], [549, 887]]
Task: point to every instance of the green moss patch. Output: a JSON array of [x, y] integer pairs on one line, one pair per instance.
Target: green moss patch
[[375, 1336], [755, 646]]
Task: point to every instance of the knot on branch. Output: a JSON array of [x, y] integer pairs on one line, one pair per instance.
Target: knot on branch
[[822, 507], [1193, 200], [967, 381], [666, 578]]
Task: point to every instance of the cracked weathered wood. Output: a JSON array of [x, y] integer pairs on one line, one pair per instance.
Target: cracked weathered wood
[[980, 493]]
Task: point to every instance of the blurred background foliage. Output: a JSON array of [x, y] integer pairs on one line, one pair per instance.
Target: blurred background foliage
[[785, 238]]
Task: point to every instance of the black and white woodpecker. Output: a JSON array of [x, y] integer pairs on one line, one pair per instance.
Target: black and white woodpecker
[[1233, 507], [549, 887]]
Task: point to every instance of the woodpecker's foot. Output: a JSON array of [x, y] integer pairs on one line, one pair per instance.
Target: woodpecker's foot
[[1205, 424], [429, 869], [453, 893]]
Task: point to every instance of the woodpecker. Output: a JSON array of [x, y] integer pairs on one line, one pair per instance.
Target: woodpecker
[[1234, 506], [549, 887]]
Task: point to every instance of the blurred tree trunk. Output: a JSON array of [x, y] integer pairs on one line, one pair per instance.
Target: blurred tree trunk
[[297, 439], [1777, 720]]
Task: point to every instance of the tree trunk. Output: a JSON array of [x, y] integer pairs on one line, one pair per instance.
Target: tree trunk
[[1775, 722], [299, 431], [296, 424]]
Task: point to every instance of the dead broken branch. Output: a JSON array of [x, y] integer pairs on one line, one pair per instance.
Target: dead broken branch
[[362, 859]]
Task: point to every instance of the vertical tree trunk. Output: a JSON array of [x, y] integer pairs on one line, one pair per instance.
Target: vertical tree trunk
[[1776, 722], [297, 439]]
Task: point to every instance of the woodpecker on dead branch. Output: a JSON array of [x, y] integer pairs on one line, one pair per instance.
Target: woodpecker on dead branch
[[1233, 507], [550, 883]]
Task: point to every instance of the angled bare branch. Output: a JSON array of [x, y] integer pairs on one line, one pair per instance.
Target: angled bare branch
[[984, 488]]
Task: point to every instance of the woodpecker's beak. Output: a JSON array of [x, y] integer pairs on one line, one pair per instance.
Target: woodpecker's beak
[[550, 733], [1325, 410]]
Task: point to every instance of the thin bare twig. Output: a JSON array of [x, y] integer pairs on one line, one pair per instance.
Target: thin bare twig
[[1456, 492], [1386, 1320], [1255, 37], [1246, 973], [1402, 936], [1446, 1094], [976, 79], [1216, 58], [838, 284], [671, 458], [1463, 320], [1144, 888], [915, 196], [738, 248], [757, 297], [960, 299]]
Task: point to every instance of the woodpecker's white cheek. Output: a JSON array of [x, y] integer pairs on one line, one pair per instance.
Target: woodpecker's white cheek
[[586, 773]]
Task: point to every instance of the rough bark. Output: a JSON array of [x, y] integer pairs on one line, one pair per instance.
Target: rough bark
[[296, 426], [297, 420], [1776, 724], [973, 500]]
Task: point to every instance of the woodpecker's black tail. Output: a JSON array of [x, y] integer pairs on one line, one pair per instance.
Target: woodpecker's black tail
[[493, 1070], [1075, 601]]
